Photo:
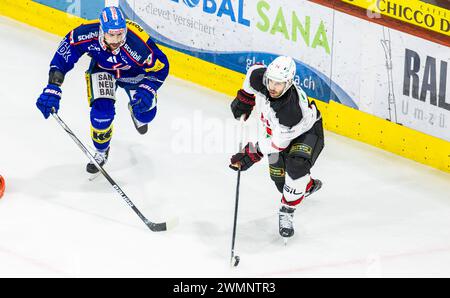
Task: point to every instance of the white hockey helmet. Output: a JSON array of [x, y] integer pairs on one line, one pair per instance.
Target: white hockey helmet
[[283, 70]]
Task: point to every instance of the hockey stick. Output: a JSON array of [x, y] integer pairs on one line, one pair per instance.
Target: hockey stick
[[155, 227], [234, 261]]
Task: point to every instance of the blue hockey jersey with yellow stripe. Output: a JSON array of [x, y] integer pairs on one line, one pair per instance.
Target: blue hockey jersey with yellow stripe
[[138, 57]]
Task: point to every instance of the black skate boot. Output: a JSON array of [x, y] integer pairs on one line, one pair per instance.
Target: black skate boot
[[315, 186], [101, 158], [142, 128], [286, 221]]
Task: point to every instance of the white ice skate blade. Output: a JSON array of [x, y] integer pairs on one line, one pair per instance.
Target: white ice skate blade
[[285, 241]]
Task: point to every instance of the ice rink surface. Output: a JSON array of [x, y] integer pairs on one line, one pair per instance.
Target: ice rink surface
[[377, 215]]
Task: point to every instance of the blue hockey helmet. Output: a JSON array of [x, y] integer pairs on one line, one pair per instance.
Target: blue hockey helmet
[[112, 21]]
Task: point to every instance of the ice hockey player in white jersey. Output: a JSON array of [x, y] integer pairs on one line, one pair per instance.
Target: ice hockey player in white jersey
[[292, 133]]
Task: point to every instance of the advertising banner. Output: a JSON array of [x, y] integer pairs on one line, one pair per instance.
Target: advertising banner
[[419, 13], [361, 64], [393, 75], [238, 33]]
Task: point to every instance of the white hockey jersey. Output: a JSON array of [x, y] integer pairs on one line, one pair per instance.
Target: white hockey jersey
[[282, 119]]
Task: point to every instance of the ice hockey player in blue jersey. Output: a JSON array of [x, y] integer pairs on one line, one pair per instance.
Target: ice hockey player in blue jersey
[[123, 55]]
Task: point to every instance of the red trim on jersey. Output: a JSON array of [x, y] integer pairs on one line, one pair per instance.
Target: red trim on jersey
[[126, 52], [117, 70], [84, 41], [276, 147], [145, 42], [105, 68]]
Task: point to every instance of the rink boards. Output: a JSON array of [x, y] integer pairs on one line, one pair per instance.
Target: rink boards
[[356, 124]]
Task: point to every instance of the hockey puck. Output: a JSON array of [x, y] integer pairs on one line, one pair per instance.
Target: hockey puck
[[2, 186], [236, 261]]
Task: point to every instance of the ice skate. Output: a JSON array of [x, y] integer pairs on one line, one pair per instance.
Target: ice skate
[[141, 127], [101, 157], [315, 186], [286, 222]]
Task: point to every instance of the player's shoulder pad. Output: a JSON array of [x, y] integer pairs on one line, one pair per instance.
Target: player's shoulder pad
[[137, 47], [85, 32], [256, 75], [255, 67], [137, 30]]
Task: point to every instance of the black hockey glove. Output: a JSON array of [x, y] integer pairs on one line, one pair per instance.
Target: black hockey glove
[[248, 156], [243, 104]]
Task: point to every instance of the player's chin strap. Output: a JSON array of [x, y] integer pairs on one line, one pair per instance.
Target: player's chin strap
[[155, 227], [234, 261]]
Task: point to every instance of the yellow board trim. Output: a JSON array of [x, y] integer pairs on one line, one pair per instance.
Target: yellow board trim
[[386, 135], [337, 118], [40, 16], [86, 22]]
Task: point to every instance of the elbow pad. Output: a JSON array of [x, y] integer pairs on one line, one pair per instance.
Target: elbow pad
[[55, 77]]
